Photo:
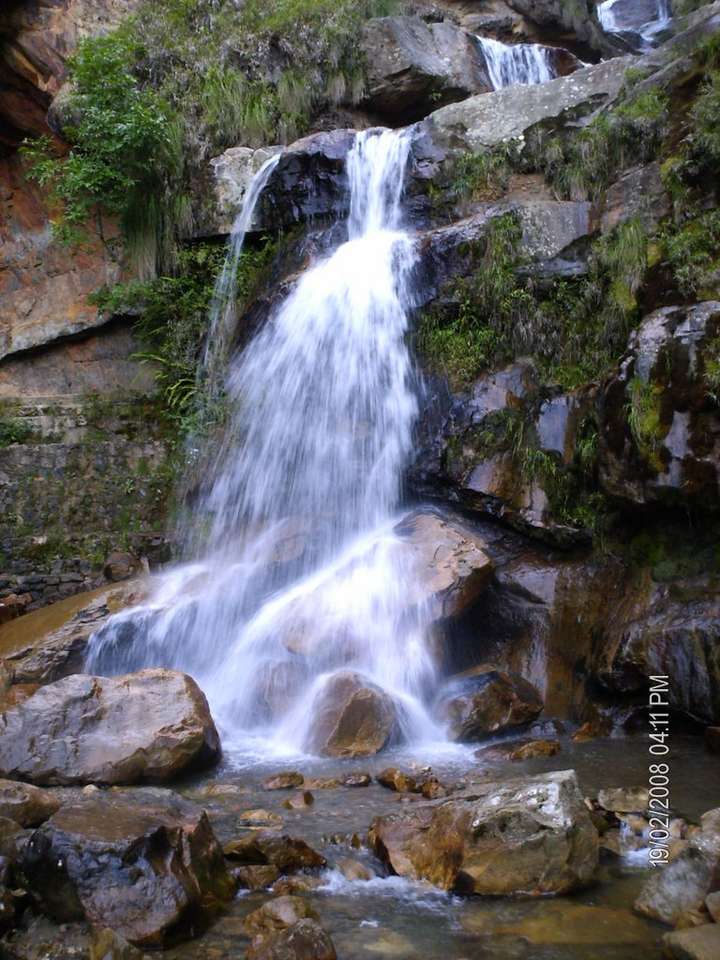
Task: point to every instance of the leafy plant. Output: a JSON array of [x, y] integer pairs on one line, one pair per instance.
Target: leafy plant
[[694, 253], [125, 157]]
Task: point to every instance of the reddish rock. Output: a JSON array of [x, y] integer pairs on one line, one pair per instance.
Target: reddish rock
[[352, 717], [486, 700]]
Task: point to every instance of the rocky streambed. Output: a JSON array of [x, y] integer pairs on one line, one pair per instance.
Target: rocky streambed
[[532, 845]]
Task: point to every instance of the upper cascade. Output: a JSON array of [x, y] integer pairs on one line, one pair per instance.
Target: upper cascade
[[519, 64], [617, 16]]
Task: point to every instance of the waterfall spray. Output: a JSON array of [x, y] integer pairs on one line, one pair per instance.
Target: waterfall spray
[[519, 64]]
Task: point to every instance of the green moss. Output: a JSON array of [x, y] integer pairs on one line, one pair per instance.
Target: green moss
[[13, 430], [580, 164], [643, 417], [693, 251]]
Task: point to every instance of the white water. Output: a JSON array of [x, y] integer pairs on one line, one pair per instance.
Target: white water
[[222, 319], [516, 64], [303, 573], [612, 19]]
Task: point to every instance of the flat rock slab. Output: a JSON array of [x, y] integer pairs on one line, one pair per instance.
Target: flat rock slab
[[699, 943], [531, 836], [147, 726], [143, 863]]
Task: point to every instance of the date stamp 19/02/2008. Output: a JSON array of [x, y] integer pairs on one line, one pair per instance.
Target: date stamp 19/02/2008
[[659, 809]]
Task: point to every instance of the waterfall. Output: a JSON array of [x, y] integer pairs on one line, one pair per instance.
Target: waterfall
[[221, 325], [303, 573], [516, 64], [616, 16]]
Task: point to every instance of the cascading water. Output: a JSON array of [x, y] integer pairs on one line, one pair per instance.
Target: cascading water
[[616, 16], [516, 64], [303, 574]]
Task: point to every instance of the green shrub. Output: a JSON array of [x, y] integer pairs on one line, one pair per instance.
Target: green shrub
[[13, 430], [694, 253], [643, 416], [125, 157], [706, 119]]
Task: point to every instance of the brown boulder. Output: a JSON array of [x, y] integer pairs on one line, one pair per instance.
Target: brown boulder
[[50, 643], [277, 914], [13, 606], [299, 801], [145, 864], [530, 836], [146, 726], [352, 717], [287, 780], [485, 700], [535, 748], [305, 940], [287, 854], [27, 805], [397, 780], [120, 566], [700, 943], [255, 877], [450, 565]]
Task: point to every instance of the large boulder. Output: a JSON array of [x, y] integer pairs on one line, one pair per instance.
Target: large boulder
[[485, 701], [144, 864], [664, 629], [413, 65], [232, 173], [147, 726], [351, 717], [50, 643], [698, 943], [680, 887], [507, 114], [450, 565], [531, 836]]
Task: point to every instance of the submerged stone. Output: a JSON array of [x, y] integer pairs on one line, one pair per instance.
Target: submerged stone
[[531, 836]]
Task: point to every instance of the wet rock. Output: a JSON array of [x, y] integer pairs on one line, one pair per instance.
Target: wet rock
[[232, 174], [108, 945], [255, 877], [712, 739], [700, 943], [352, 717], [677, 459], [305, 940], [14, 605], [297, 884], [357, 780], [120, 565], [638, 193], [712, 904], [13, 840], [299, 801], [486, 700], [259, 817], [530, 836], [309, 181], [624, 799], [353, 870], [450, 565], [507, 114], [397, 780], [36, 654], [432, 789], [261, 848], [683, 885], [287, 780], [145, 864], [412, 65], [535, 748], [664, 629], [27, 805], [277, 914], [592, 729], [146, 726]]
